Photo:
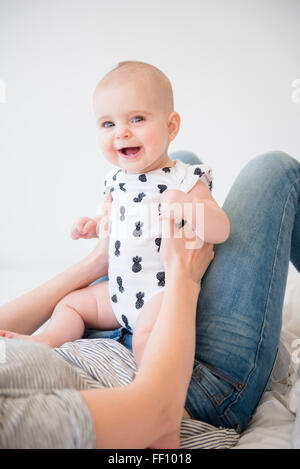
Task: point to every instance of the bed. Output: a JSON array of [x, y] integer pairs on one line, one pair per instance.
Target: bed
[[276, 423]]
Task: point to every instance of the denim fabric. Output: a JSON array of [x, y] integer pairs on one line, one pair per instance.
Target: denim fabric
[[240, 304], [241, 300], [122, 335]]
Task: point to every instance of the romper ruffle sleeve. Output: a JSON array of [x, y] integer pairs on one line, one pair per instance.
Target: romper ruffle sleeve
[[191, 174]]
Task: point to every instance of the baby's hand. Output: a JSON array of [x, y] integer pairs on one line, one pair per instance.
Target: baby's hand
[[84, 228], [173, 200]]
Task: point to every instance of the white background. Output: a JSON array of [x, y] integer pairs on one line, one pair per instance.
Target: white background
[[231, 63]]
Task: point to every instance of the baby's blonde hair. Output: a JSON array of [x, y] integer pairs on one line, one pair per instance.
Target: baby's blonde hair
[[135, 69]]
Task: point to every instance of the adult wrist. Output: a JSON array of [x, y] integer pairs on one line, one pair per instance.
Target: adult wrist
[[176, 275]]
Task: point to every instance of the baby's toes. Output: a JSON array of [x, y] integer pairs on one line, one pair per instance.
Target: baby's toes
[[7, 334]]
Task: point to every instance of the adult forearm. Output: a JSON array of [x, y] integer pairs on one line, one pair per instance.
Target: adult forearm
[[168, 357], [136, 415], [28, 312]]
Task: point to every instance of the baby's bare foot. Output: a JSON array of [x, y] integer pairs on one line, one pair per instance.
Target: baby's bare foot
[[169, 441], [30, 338]]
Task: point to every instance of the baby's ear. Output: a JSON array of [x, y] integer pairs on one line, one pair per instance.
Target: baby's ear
[[173, 125]]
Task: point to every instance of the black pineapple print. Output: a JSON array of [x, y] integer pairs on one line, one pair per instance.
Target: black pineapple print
[[162, 188], [139, 300], [138, 229], [125, 321], [198, 172], [117, 248], [158, 243], [140, 197], [120, 282], [137, 267], [161, 279]]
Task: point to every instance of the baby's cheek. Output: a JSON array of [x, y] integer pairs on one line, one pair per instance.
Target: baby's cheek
[[155, 148], [156, 141]]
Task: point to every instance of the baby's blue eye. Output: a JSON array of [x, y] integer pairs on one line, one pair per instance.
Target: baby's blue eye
[[138, 117], [103, 125]]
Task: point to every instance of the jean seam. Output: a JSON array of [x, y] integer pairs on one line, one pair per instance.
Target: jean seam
[[220, 374], [209, 397], [231, 418], [218, 395], [267, 302], [217, 406]]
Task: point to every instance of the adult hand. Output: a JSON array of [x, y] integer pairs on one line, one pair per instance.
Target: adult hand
[[181, 249]]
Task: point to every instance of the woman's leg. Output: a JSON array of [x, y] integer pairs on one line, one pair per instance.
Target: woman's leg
[[241, 299]]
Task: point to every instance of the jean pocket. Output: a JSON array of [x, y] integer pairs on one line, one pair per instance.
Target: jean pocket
[[218, 386], [210, 396]]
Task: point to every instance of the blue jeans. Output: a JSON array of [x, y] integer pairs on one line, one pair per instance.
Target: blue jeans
[[240, 304]]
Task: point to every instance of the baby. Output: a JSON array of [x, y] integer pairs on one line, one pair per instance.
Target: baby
[[136, 122]]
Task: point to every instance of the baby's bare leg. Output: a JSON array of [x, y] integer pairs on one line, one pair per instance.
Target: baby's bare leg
[[89, 306]]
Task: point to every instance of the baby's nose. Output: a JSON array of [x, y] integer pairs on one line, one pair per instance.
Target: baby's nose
[[122, 132]]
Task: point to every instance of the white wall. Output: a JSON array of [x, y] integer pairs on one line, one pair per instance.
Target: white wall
[[231, 63]]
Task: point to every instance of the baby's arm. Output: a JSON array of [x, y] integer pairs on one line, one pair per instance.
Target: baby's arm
[[201, 211], [216, 228]]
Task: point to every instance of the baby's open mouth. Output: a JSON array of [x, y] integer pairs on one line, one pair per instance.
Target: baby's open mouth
[[130, 151]]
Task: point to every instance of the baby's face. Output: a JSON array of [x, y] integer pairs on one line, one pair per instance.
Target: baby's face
[[134, 129]]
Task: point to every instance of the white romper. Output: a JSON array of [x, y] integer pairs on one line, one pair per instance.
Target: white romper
[[135, 271]]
